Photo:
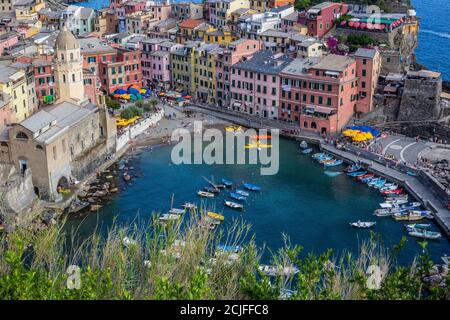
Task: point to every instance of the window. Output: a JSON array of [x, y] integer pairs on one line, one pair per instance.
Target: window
[[364, 72], [54, 153], [21, 135]]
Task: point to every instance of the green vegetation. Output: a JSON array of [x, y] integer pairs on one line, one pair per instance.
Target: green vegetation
[[130, 112], [302, 4], [355, 41], [111, 103], [155, 266]]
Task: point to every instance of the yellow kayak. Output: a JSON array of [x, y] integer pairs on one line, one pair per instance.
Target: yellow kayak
[[233, 129], [216, 216], [259, 145]]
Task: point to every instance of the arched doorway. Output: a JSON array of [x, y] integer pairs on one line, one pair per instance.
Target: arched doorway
[[36, 192], [63, 185]]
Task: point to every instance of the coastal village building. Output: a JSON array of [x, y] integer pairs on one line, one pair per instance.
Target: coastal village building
[[6, 6], [27, 9], [105, 22], [182, 61], [368, 66], [65, 142], [6, 115], [192, 29], [189, 10], [320, 18], [122, 71], [230, 55], [8, 40], [204, 72], [13, 83], [255, 84], [320, 94], [155, 58], [220, 10], [79, 20]]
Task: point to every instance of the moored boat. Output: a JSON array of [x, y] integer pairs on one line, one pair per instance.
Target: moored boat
[[242, 192], [252, 187], [418, 226], [353, 168], [177, 211], [236, 196], [205, 194], [227, 183], [363, 224], [169, 217], [278, 270], [234, 205], [366, 176], [425, 234], [216, 216], [307, 151], [336, 162], [303, 144], [357, 173], [410, 216], [211, 189], [189, 206], [395, 191]]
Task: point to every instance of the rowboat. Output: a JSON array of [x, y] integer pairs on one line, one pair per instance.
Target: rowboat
[[228, 248], [227, 183], [335, 163], [363, 224], [365, 176], [278, 270], [321, 156], [215, 216], [401, 196], [418, 226], [382, 213], [307, 151], [425, 234], [395, 191], [325, 158], [234, 205], [242, 192], [318, 155], [205, 194], [392, 203], [211, 189], [389, 187], [189, 206], [177, 211], [353, 168], [252, 187], [169, 217], [407, 206], [375, 181], [379, 184], [357, 173], [236, 196], [410, 216], [368, 179]]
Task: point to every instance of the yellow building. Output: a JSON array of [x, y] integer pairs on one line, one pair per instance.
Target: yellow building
[[183, 67], [260, 5], [13, 83], [223, 8], [216, 36], [28, 9], [204, 72]]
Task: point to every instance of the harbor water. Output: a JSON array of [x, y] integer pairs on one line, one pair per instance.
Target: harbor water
[[311, 205]]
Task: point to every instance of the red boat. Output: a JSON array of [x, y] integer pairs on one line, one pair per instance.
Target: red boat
[[369, 175], [396, 191]]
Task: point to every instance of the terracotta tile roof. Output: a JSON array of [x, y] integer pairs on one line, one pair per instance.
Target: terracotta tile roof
[[190, 23]]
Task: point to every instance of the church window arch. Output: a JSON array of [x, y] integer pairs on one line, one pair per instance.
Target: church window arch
[[71, 56]]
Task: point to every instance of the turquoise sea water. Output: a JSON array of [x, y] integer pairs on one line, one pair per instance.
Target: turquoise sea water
[[302, 201]]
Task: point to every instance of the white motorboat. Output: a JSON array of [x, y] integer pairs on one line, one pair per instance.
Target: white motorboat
[[363, 224], [205, 194]]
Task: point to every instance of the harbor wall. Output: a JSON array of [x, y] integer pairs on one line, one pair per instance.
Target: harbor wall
[[133, 131]]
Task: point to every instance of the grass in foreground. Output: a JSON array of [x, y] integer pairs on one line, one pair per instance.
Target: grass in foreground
[[180, 261]]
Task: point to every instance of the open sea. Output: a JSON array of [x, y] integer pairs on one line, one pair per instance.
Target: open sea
[[303, 201]]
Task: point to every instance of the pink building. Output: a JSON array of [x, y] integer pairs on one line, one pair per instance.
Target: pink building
[[320, 94], [6, 116], [255, 84], [134, 6], [320, 18], [230, 55], [155, 58], [368, 64], [8, 40], [91, 85]]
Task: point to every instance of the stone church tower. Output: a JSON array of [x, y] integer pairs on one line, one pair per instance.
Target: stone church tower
[[69, 68]]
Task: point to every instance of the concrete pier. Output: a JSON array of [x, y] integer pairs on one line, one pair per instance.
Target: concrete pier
[[410, 183]]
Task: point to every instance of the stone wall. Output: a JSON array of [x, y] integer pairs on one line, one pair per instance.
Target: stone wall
[[420, 100], [17, 196]]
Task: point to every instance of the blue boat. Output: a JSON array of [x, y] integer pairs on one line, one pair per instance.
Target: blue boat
[[353, 168], [236, 196], [367, 180], [227, 183], [317, 156], [357, 173], [335, 163], [379, 184], [307, 151], [242, 192], [252, 187]]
